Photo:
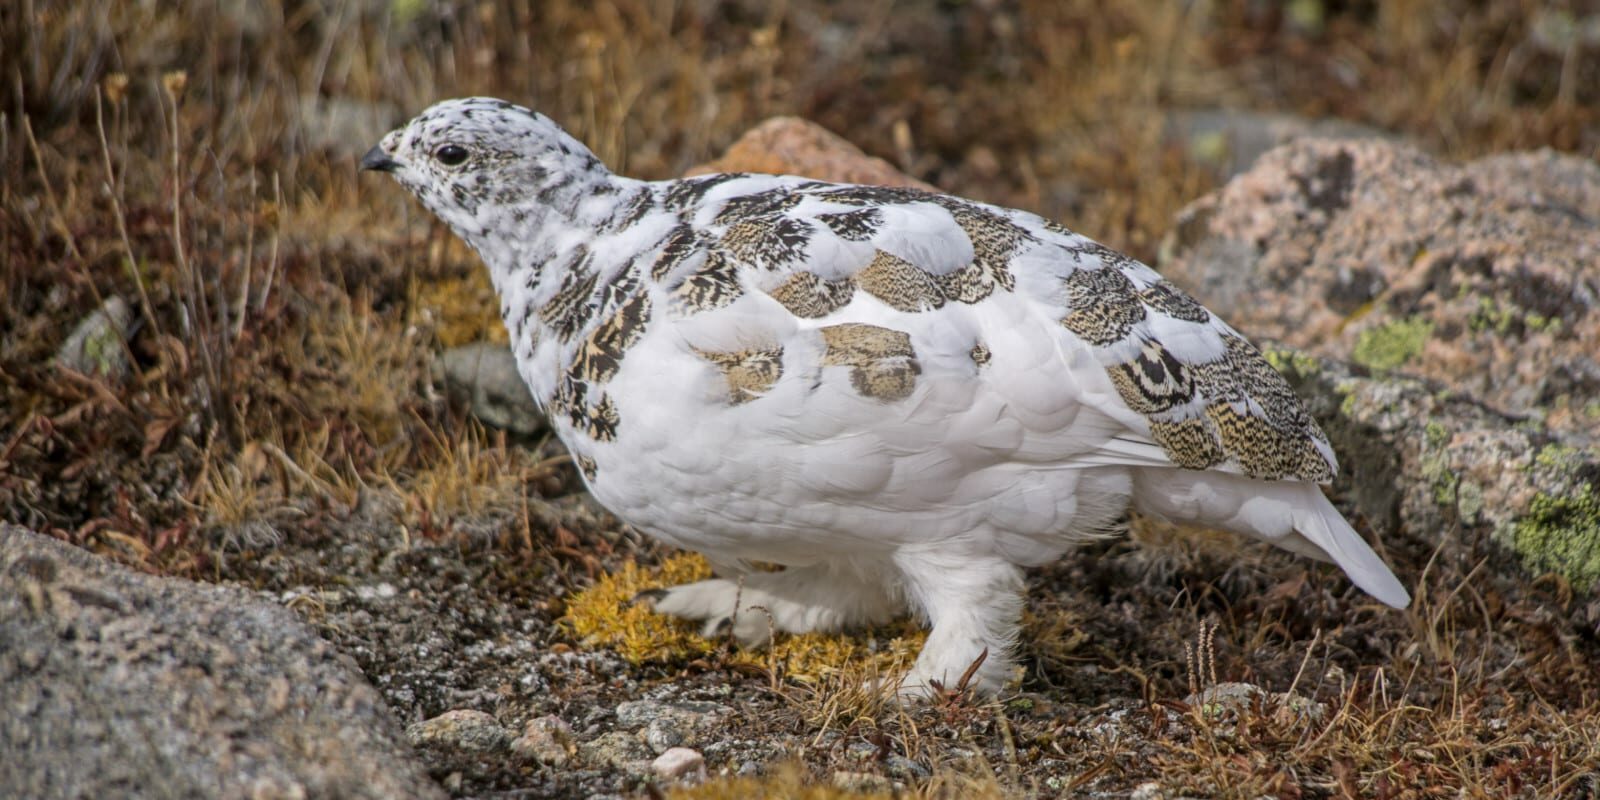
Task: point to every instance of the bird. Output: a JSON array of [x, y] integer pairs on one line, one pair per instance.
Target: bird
[[902, 399]]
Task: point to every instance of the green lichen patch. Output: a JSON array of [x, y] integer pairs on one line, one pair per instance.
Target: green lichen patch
[[1562, 458], [1390, 345], [1561, 534], [1509, 320], [1436, 433], [1290, 361]]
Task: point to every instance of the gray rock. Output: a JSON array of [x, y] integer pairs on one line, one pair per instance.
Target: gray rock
[[1484, 277], [95, 347], [689, 715], [905, 769], [1234, 138], [462, 729], [1228, 697], [546, 739], [663, 734], [861, 782], [619, 750], [1426, 460], [118, 684], [483, 376], [1482, 280]]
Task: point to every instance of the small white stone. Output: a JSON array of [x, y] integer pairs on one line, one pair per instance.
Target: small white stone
[[679, 762], [380, 591], [1148, 791]]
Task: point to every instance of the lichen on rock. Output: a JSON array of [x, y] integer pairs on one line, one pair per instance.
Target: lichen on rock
[[1562, 534]]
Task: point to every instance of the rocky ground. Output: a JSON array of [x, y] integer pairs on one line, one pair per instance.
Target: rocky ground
[[276, 522]]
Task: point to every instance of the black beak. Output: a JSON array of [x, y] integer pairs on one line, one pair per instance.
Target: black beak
[[378, 160]]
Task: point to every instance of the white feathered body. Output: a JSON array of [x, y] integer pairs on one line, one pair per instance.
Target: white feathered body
[[884, 383], [1008, 455]]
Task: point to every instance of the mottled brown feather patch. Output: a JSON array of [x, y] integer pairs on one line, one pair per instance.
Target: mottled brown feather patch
[[995, 240], [598, 420], [1263, 450], [1102, 305], [900, 284], [768, 204], [568, 310], [680, 244], [748, 373], [714, 285], [742, 239], [853, 226], [968, 284], [1278, 443], [883, 364], [600, 356], [586, 466], [771, 242], [594, 364], [1153, 382], [1189, 442], [810, 297], [980, 355], [1174, 302]]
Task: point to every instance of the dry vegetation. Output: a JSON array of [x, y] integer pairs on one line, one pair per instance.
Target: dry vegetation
[[196, 159]]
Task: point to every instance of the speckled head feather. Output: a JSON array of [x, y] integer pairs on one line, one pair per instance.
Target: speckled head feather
[[478, 162], [903, 396]]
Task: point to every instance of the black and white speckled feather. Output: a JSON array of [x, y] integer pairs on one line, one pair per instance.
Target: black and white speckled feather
[[902, 396]]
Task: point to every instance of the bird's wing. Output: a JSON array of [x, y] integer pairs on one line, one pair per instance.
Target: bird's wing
[[929, 300]]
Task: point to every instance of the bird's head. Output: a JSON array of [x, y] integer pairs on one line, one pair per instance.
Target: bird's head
[[476, 161]]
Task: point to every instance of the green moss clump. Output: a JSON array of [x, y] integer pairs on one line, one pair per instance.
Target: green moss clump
[[1392, 344], [1561, 534]]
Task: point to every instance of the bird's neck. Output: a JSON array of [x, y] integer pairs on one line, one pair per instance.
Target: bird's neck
[[534, 240], [541, 251]]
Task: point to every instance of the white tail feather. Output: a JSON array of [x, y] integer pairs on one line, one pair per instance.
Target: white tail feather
[[1292, 515], [1328, 531]]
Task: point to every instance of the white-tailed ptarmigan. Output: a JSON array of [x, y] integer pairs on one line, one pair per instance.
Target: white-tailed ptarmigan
[[902, 397]]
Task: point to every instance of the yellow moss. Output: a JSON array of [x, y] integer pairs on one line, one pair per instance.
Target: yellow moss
[[465, 308], [604, 615], [789, 781]]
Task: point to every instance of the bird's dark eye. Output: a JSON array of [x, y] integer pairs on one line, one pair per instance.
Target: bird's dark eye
[[451, 155]]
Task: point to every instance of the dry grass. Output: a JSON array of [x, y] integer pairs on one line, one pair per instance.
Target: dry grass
[[197, 160]]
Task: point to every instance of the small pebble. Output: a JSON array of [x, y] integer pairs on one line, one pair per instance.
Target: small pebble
[[679, 762]]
